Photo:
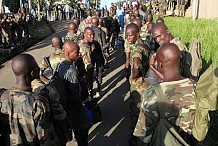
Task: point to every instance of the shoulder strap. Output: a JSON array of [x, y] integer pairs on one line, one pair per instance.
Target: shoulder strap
[[160, 99]]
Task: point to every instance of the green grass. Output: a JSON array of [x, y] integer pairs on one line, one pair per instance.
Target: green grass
[[204, 30]]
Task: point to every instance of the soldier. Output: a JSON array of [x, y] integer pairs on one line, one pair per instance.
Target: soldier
[[28, 113], [68, 76], [161, 34], [72, 34], [52, 60], [59, 118], [92, 54], [138, 60], [86, 22], [180, 94]]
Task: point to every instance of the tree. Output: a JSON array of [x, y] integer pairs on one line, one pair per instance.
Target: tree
[[13, 5]]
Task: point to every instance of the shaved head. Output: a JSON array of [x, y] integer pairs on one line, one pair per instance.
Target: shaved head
[[72, 26], [23, 65], [169, 55], [71, 50], [161, 33], [133, 27], [95, 21], [138, 22], [76, 21], [56, 42], [159, 20]]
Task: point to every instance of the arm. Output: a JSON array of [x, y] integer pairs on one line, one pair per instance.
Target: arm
[[137, 66], [151, 65], [149, 116]]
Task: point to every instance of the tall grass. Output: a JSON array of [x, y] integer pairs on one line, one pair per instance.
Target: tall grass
[[204, 30]]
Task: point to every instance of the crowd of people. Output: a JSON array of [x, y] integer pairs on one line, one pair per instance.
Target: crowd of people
[[44, 108]]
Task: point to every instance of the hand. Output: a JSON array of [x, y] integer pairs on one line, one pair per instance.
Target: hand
[[152, 59]]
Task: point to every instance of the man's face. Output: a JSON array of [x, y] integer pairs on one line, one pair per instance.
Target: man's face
[[131, 36], [161, 35], [89, 35]]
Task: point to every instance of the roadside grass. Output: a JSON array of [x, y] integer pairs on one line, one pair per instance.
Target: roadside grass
[[203, 29]]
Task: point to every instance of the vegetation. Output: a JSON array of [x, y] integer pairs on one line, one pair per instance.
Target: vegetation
[[204, 30]]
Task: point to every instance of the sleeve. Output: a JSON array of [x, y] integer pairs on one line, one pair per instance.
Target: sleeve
[[148, 116], [44, 127], [137, 52], [43, 66]]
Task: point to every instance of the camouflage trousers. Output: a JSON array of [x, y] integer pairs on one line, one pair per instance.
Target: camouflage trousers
[[136, 91]]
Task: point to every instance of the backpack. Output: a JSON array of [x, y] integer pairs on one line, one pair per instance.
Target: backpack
[[191, 61], [207, 100], [165, 134]]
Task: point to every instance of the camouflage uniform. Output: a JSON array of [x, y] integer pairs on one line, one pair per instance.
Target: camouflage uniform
[[179, 43], [85, 51], [58, 113], [183, 49], [85, 23], [147, 39], [29, 117], [180, 101], [54, 59], [70, 37], [137, 88]]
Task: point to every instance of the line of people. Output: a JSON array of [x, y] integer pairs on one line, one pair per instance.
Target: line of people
[[49, 99], [47, 102], [153, 58]]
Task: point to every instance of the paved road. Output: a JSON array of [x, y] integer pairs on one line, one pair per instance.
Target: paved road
[[115, 127]]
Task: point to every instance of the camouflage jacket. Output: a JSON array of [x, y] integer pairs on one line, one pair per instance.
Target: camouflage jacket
[[138, 49], [53, 59], [179, 108], [85, 51], [58, 110], [70, 37], [147, 39], [86, 22], [29, 117], [179, 43]]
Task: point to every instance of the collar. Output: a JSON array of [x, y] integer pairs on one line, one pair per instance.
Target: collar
[[22, 88]]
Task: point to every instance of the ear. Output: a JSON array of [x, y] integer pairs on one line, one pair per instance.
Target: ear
[[138, 34], [167, 31]]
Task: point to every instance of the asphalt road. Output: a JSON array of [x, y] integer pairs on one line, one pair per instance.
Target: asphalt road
[[114, 130]]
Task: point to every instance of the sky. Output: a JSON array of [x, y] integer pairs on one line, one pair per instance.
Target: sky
[[108, 3]]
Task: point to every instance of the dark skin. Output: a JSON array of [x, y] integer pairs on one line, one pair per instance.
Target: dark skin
[[97, 14], [76, 21], [149, 18], [56, 42], [88, 13], [132, 32], [161, 33], [168, 62], [138, 22], [25, 69], [95, 21], [159, 20], [71, 51], [72, 28]]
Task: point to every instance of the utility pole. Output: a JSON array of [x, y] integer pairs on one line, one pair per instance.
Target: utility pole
[[30, 5]]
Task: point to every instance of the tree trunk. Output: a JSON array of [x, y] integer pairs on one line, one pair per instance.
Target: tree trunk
[[30, 5], [1, 6]]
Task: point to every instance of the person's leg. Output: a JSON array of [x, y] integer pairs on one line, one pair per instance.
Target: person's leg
[[81, 134]]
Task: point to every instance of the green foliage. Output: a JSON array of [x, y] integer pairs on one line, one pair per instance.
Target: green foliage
[[13, 5], [203, 29]]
